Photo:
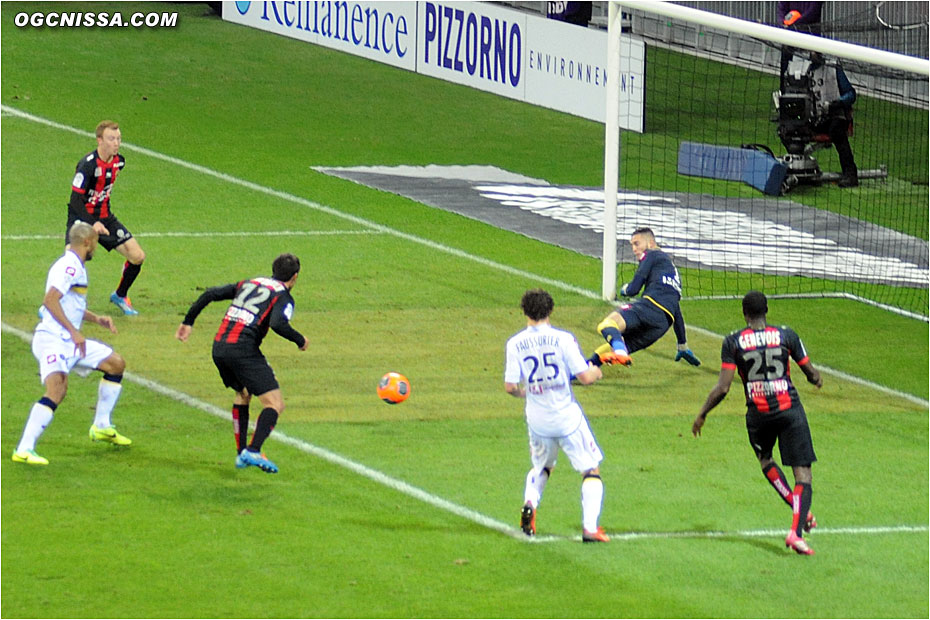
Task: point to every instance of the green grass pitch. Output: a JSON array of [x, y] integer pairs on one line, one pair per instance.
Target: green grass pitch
[[410, 510]]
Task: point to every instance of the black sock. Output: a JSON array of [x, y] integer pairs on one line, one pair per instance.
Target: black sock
[[48, 402], [804, 490], [240, 415], [266, 421], [776, 478], [130, 272]]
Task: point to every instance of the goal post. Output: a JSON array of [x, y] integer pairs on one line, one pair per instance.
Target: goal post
[[611, 154], [813, 241]]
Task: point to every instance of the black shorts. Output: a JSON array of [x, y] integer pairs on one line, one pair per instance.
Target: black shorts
[[791, 430], [645, 324], [244, 369], [119, 234]]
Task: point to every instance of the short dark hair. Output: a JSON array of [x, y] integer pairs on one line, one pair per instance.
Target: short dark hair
[[537, 304], [755, 305], [644, 230], [284, 267]]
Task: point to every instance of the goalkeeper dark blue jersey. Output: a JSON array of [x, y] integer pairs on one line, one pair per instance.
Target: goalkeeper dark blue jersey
[[659, 280]]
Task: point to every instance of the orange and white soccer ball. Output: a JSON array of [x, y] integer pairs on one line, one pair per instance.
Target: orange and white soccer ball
[[394, 388]]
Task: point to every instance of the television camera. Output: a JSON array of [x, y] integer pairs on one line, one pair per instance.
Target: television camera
[[800, 112]]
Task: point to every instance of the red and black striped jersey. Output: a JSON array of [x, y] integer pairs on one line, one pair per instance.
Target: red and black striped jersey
[[257, 304], [762, 359], [92, 184]]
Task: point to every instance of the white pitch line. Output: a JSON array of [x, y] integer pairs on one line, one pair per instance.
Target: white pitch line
[[765, 533], [323, 453], [444, 504], [565, 286], [267, 233]]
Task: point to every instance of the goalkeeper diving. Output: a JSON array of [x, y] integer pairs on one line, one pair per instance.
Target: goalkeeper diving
[[636, 325]]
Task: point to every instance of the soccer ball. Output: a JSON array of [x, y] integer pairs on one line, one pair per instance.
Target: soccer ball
[[393, 388]]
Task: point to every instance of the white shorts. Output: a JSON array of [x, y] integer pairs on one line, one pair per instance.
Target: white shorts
[[57, 355], [580, 447]]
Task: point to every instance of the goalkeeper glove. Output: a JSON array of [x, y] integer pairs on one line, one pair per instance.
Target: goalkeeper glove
[[623, 290], [687, 355]]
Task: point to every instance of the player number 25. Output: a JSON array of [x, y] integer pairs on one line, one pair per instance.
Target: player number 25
[[773, 366], [548, 362]]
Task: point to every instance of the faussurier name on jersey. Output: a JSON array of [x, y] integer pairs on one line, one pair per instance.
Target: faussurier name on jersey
[[537, 341]]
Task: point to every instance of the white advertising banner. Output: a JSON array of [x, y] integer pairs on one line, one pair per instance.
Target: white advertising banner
[[479, 45], [382, 31], [566, 69], [510, 53]]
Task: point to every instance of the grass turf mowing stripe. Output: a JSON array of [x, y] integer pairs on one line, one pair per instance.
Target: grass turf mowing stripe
[[457, 509], [266, 233], [374, 226], [565, 286], [331, 457]]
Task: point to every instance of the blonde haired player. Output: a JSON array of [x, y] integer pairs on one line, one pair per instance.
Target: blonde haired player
[[94, 177], [541, 361]]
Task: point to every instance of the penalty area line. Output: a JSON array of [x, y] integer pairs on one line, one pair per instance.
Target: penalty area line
[[322, 453]]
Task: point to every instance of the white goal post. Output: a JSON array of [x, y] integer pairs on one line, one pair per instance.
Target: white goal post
[[718, 22]]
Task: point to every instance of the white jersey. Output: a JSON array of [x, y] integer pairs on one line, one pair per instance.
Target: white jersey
[[69, 277], [544, 359]]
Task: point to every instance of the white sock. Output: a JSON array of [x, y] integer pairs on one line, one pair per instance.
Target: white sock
[[535, 485], [39, 418], [592, 495], [107, 395]]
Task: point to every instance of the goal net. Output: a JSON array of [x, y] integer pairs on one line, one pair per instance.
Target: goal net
[[743, 150]]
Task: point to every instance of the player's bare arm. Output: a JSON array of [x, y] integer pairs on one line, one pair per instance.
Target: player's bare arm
[[515, 389], [52, 303], [100, 319], [183, 332], [591, 374], [812, 374], [716, 396]]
